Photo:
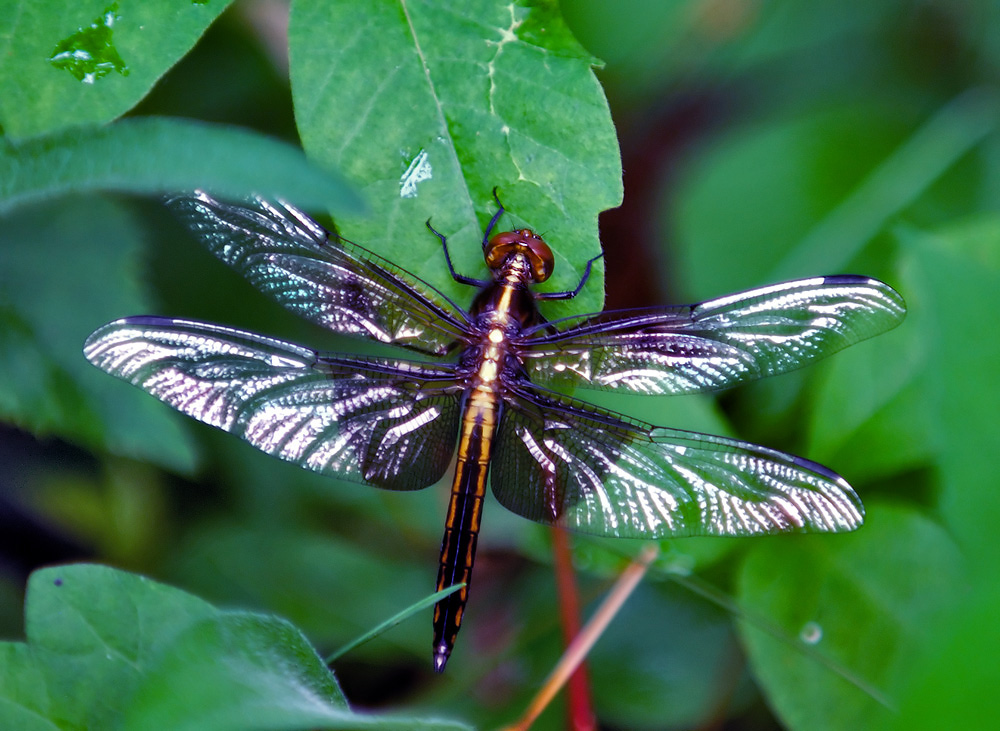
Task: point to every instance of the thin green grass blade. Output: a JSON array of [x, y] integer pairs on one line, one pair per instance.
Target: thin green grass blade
[[392, 622]]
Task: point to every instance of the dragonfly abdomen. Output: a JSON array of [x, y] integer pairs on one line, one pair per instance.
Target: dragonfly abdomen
[[465, 508]]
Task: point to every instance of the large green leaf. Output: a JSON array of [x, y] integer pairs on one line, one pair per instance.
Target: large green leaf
[[156, 155], [954, 683], [780, 199], [106, 649], [859, 604], [956, 284], [70, 62], [238, 671], [93, 633], [24, 698], [954, 276], [656, 664], [428, 105]]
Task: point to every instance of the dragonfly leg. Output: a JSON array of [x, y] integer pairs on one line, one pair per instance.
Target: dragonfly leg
[[571, 293], [493, 221], [460, 278]]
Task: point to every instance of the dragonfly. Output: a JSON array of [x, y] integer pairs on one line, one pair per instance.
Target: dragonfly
[[486, 386]]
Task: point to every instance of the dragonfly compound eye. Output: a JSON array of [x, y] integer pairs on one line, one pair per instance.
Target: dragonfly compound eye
[[521, 241]]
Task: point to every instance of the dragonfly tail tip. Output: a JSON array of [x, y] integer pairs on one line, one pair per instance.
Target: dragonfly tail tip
[[440, 658]]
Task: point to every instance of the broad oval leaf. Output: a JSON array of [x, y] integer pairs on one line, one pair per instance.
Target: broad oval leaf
[[858, 606], [427, 106]]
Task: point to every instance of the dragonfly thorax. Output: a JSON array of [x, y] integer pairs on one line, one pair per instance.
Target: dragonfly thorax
[[526, 243]]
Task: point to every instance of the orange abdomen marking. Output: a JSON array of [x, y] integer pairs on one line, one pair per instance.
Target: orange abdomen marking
[[465, 508]]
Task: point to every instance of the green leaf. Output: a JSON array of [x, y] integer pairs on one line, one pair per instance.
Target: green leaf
[[662, 676], [238, 671], [94, 632], [955, 275], [24, 699], [83, 254], [954, 683], [428, 106], [894, 184], [158, 155], [121, 48], [781, 199], [858, 603], [107, 649], [867, 414]]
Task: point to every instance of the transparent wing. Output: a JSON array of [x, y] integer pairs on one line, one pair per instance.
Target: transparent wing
[[714, 344], [386, 423], [321, 277], [561, 461]]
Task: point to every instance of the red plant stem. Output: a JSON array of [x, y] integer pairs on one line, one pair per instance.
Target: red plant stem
[[579, 708]]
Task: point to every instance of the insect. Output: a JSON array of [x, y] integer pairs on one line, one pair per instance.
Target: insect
[[490, 378]]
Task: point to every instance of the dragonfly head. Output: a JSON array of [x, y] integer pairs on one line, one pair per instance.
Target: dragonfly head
[[526, 243]]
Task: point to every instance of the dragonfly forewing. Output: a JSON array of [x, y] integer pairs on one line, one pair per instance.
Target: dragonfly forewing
[[716, 344], [322, 277]]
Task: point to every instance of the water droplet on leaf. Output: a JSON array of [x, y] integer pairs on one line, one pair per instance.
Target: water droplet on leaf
[[89, 54], [811, 633]]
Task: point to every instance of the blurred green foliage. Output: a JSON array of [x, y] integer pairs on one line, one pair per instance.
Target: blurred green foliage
[[760, 140]]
